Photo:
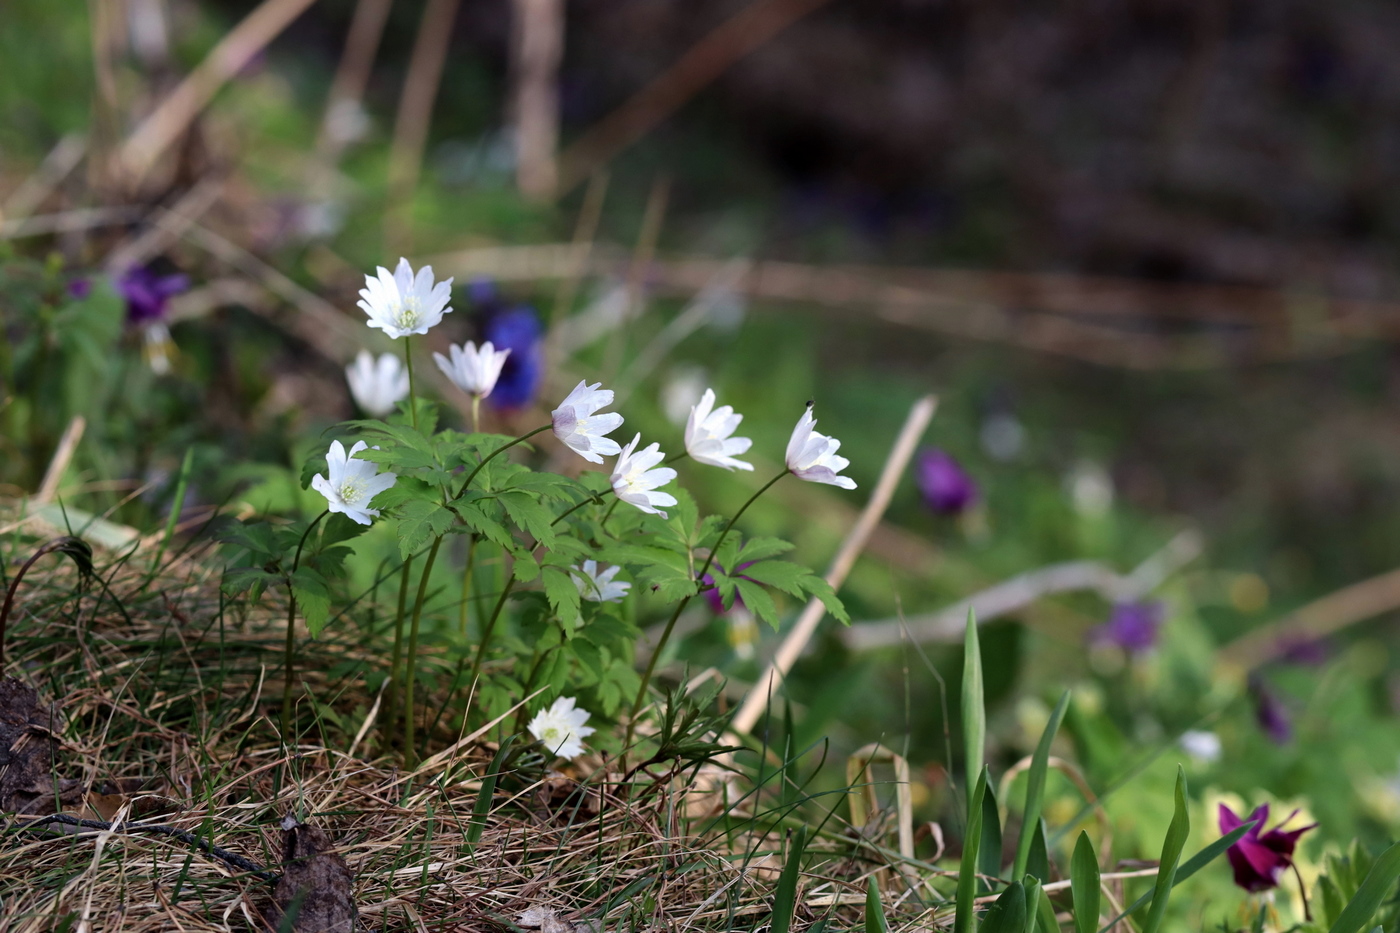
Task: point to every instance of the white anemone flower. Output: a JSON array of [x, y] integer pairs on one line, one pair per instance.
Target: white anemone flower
[[708, 435], [578, 424], [812, 456], [473, 371], [599, 587], [560, 727], [635, 481], [353, 483], [377, 385], [402, 303]]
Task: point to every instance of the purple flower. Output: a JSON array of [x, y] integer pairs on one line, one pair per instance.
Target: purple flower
[[147, 293], [712, 595], [945, 485], [1271, 714], [79, 288], [1131, 626], [1309, 652], [1260, 858], [519, 330]]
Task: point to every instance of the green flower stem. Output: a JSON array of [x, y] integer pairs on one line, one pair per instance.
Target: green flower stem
[[466, 586], [488, 628], [674, 457], [391, 705], [412, 390], [288, 664], [680, 607], [410, 749], [603, 525], [499, 450], [574, 508], [476, 412]]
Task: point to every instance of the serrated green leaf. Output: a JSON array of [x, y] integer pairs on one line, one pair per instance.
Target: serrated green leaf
[[420, 521], [562, 593], [761, 548], [822, 590], [530, 515], [525, 568], [758, 601], [475, 518], [780, 574], [407, 489], [313, 599]]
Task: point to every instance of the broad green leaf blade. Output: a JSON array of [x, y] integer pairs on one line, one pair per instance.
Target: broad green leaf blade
[[974, 713], [1379, 882], [482, 807], [1177, 832], [1084, 885], [1008, 914], [785, 898], [1038, 865], [1192, 865], [1035, 787], [989, 851], [874, 910], [1033, 896], [965, 921], [1046, 911]]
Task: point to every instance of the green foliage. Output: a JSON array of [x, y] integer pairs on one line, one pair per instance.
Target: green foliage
[[1084, 885], [1177, 832], [1035, 792]]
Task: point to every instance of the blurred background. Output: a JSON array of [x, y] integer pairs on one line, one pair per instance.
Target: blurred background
[[1142, 250]]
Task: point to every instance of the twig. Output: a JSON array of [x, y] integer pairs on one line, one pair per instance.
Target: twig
[[63, 455], [189, 838], [919, 416], [536, 48], [1020, 591], [709, 58], [61, 160], [180, 217], [174, 115], [415, 114], [351, 77], [68, 221]]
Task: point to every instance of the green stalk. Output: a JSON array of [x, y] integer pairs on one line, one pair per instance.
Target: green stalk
[[466, 586], [680, 607], [288, 664], [499, 450], [412, 390], [391, 705], [181, 484], [488, 628], [476, 412], [410, 750]]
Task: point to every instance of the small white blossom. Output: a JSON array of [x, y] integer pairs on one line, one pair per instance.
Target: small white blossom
[[560, 728], [1201, 745], [353, 483], [377, 385], [473, 371], [577, 423], [707, 435], [599, 587], [812, 456], [635, 477], [402, 303]]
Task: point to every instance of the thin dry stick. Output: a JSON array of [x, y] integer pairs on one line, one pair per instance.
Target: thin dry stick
[[919, 416], [642, 257], [1322, 617], [414, 117], [709, 58], [174, 115], [584, 232], [61, 160], [63, 455], [536, 48], [106, 29], [351, 77], [84, 218], [154, 240]]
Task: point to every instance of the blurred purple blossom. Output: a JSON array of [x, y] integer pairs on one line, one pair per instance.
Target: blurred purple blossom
[[1132, 627], [945, 485], [519, 330], [1260, 858], [79, 288], [1273, 717], [712, 595], [1308, 652], [146, 293]]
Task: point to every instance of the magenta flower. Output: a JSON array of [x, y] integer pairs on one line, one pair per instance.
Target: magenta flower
[[1260, 858], [945, 485], [147, 293], [1273, 717], [1131, 627]]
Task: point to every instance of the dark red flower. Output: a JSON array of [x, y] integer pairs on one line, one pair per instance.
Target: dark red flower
[[1260, 858]]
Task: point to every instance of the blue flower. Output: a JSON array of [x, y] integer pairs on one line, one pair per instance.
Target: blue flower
[[1131, 627], [518, 330], [147, 293], [945, 485]]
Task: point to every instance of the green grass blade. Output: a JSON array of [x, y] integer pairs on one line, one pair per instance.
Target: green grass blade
[[874, 910], [965, 920], [1192, 865], [1038, 865], [1046, 910], [1033, 895], [1035, 787], [1177, 832], [974, 712], [487, 794], [1379, 881], [1084, 885], [989, 851], [1008, 914], [785, 898]]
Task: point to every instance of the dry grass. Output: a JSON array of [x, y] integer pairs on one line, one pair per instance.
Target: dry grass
[[165, 691]]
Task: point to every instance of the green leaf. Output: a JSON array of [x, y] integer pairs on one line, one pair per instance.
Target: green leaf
[[965, 920], [1177, 831], [1038, 865], [760, 548], [1192, 865], [989, 851], [758, 601], [530, 515], [313, 598], [407, 489], [1034, 895], [822, 590], [476, 518], [562, 593], [526, 568], [1035, 786], [482, 808], [780, 574], [785, 898], [1008, 913], [420, 520], [1084, 885], [875, 921], [974, 715], [1373, 891]]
